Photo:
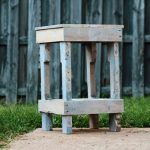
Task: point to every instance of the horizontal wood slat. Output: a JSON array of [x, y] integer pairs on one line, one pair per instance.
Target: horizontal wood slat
[[81, 106], [79, 33]]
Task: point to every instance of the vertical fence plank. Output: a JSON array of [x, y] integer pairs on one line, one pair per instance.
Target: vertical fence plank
[[106, 19], [76, 18], [55, 18], [34, 20], [117, 8], [3, 51], [12, 51], [138, 49], [94, 15]]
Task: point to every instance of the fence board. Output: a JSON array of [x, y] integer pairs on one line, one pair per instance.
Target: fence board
[[76, 18], [34, 20], [138, 49], [12, 51], [47, 12]]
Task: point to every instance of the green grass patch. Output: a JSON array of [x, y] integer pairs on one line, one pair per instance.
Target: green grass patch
[[21, 119]]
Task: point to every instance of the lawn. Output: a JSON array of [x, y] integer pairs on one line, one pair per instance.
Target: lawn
[[19, 119]]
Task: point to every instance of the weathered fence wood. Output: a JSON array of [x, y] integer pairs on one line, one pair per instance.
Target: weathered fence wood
[[55, 18], [138, 49], [113, 57], [34, 20], [95, 11], [117, 8], [12, 51], [76, 18]]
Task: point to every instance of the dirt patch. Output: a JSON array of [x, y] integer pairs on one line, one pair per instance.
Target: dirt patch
[[84, 139]]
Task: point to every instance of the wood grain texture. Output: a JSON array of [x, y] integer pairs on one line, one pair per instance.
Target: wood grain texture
[[81, 106], [12, 51], [76, 18], [34, 19], [54, 17], [65, 54], [138, 49], [118, 9], [79, 33], [45, 83], [113, 56]]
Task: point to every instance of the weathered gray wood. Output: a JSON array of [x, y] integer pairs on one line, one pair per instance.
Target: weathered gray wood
[[34, 19], [80, 33], [81, 106], [65, 54], [138, 49], [90, 62], [76, 18], [45, 83], [3, 43], [12, 51], [117, 8], [113, 56], [54, 17], [94, 15]]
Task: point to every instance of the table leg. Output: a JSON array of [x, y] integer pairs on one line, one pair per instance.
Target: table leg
[[113, 56], [65, 53], [45, 83]]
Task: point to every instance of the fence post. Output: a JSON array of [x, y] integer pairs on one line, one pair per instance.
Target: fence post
[[34, 20], [138, 49], [12, 51]]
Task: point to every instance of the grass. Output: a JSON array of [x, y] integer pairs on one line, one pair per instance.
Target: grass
[[19, 119]]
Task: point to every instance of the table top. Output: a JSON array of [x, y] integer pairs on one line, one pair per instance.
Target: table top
[[79, 26], [79, 33]]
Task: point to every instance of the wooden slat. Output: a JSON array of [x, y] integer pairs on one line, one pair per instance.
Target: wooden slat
[[34, 18], [12, 51], [113, 56], [78, 25], [94, 12], [138, 49], [80, 34], [117, 9], [81, 106], [45, 83], [91, 80], [76, 18], [65, 53], [54, 12]]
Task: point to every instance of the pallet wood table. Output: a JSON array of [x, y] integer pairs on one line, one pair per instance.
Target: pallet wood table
[[66, 34]]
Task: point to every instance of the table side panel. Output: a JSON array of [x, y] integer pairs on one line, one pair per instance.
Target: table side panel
[[80, 34], [80, 106], [93, 34]]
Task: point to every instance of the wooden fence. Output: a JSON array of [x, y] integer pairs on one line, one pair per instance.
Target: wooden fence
[[19, 55]]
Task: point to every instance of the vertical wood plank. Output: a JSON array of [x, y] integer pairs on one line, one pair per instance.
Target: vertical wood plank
[[45, 83], [55, 18], [12, 51], [94, 15], [117, 8], [94, 12], [3, 48], [138, 49], [76, 18], [91, 80], [65, 52], [34, 20], [113, 56]]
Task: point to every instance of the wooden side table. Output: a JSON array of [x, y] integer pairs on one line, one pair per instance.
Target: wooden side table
[[66, 34]]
